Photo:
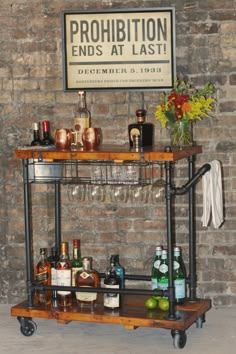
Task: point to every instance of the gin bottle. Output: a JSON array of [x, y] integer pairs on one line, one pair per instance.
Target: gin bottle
[[120, 271], [112, 281], [155, 266], [179, 276]]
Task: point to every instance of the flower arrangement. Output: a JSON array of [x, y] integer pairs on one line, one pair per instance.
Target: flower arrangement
[[184, 105]]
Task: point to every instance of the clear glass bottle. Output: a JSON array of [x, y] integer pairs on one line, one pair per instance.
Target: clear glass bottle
[[43, 276], [120, 271], [112, 281], [64, 266], [53, 259], [155, 266], [82, 118], [47, 139], [179, 276], [36, 135], [163, 272], [87, 278], [76, 260], [142, 129]]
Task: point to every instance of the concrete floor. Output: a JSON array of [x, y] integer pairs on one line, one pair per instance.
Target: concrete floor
[[218, 335]]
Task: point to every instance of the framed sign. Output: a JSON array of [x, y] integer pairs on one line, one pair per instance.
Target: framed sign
[[128, 49]]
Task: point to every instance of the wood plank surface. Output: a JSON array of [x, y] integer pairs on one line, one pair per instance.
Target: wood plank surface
[[131, 315], [106, 152]]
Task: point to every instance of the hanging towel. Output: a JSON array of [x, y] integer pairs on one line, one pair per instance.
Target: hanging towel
[[212, 196]]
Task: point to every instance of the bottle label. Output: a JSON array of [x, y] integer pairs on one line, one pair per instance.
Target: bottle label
[[163, 268], [87, 297], [179, 288], [111, 300], [63, 279], [42, 276], [53, 276], [79, 125], [134, 131], [157, 263], [73, 275], [154, 283], [162, 284]]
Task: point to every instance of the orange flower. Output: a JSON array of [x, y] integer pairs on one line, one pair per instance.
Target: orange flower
[[186, 107]]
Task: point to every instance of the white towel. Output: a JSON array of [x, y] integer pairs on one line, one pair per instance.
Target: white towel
[[212, 195]]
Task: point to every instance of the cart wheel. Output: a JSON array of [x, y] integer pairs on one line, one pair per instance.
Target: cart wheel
[[28, 326], [179, 339], [200, 321]]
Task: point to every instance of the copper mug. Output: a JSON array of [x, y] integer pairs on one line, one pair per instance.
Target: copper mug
[[92, 138], [63, 139]]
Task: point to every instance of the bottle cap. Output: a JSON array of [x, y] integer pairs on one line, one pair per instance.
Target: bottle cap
[[76, 243], [45, 125], [64, 247], [141, 114], [35, 126]]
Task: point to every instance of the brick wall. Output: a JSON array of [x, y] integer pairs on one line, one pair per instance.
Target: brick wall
[[31, 90]]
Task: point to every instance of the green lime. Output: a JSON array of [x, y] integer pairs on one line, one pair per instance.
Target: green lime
[[151, 303], [163, 304]]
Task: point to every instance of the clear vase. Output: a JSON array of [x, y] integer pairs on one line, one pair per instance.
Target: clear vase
[[181, 134]]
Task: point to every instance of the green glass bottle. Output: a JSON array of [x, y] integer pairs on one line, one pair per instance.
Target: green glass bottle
[[163, 272], [179, 276], [155, 266], [77, 262]]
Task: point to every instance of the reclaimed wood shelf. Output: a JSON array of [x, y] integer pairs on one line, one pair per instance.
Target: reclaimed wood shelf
[[131, 315]]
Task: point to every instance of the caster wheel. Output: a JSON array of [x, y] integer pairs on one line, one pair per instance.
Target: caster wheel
[[28, 328], [179, 339]]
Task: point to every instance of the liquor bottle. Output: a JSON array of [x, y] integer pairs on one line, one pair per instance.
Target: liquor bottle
[[120, 271], [81, 119], [179, 276], [142, 129], [112, 281], [155, 266], [36, 135], [47, 139], [87, 278], [76, 260], [163, 272], [53, 259], [43, 276], [64, 276]]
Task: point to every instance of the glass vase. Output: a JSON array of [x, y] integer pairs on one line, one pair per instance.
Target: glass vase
[[181, 134]]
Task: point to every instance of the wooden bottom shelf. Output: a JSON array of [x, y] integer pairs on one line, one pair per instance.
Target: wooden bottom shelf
[[131, 315]]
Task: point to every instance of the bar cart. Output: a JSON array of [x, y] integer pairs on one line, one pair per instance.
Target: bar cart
[[49, 165]]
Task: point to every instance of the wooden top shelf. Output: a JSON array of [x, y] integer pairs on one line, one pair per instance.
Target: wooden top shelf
[[107, 153]]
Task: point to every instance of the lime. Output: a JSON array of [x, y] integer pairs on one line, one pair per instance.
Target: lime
[[151, 303], [163, 304]]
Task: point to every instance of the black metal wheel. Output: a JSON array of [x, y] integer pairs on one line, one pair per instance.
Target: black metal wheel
[[28, 328], [179, 339]]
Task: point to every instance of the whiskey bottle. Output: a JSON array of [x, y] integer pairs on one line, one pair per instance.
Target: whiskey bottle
[[36, 135], [155, 266], [163, 272], [76, 261], [53, 259], [64, 276], [81, 119], [112, 281], [120, 271], [43, 276], [179, 276], [47, 139], [142, 129], [87, 278]]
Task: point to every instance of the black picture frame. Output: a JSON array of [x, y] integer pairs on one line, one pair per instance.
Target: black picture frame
[[128, 49]]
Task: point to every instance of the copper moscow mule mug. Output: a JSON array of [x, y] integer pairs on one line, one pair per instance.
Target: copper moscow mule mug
[[63, 139], [92, 138]]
